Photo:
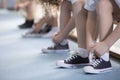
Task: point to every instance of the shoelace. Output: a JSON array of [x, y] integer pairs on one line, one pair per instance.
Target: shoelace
[[71, 57], [53, 46], [96, 62]]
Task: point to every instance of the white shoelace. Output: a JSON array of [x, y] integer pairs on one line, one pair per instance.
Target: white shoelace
[[96, 62], [71, 57]]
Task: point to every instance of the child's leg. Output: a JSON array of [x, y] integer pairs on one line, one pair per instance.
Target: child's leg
[[105, 45], [37, 26], [30, 10], [65, 14], [79, 57], [66, 22], [91, 30], [104, 15], [65, 32], [113, 37], [30, 6], [80, 22]]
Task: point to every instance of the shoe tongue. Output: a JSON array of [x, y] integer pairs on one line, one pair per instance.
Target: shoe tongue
[[72, 53]]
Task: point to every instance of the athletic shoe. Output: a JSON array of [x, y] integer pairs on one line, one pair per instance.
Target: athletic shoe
[[50, 33], [27, 24], [45, 29], [57, 48], [98, 66], [73, 61], [32, 34]]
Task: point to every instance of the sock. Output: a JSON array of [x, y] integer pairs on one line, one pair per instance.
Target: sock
[[105, 56], [64, 42], [83, 52]]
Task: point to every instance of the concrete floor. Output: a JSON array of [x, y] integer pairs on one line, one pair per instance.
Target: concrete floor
[[22, 59]]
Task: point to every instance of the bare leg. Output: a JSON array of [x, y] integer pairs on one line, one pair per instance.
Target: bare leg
[[65, 14], [113, 37], [104, 23], [65, 32], [80, 15], [66, 22], [37, 26], [91, 30], [30, 10], [105, 45]]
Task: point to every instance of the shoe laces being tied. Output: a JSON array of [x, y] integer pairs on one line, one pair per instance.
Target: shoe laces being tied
[[96, 62], [72, 56], [53, 46]]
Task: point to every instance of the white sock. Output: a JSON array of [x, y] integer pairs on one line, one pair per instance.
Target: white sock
[[64, 42], [83, 52], [105, 56]]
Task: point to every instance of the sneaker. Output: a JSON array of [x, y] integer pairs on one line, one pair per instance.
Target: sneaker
[[57, 48], [27, 24], [46, 29], [32, 34], [73, 61], [98, 66], [50, 33]]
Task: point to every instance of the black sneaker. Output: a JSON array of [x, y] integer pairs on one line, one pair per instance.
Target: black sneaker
[[98, 66], [57, 48], [73, 61], [47, 28], [27, 24], [33, 34]]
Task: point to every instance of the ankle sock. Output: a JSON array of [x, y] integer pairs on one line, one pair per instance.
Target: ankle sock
[[105, 56], [64, 42], [83, 52]]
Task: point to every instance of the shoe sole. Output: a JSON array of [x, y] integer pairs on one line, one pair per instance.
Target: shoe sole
[[94, 71], [31, 36], [61, 64], [55, 51]]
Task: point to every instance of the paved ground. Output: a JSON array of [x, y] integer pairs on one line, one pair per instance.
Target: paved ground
[[22, 59]]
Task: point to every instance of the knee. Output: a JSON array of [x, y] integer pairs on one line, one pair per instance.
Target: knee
[[103, 6], [66, 5], [77, 8]]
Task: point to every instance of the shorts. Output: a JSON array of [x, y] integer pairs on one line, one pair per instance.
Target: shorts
[[72, 1], [118, 3], [90, 5]]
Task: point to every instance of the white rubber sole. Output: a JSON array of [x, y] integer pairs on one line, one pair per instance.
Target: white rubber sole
[[31, 35], [55, 51], [91, 70], [61, 64]]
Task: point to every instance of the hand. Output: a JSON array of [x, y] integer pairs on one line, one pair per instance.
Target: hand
[[100, 48], [57, 37]]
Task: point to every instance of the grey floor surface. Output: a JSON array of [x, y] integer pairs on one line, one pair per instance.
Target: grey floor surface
[[22, 59]]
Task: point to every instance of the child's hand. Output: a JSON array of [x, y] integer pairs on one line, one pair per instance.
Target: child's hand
[[57, 37], [100, 48]]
